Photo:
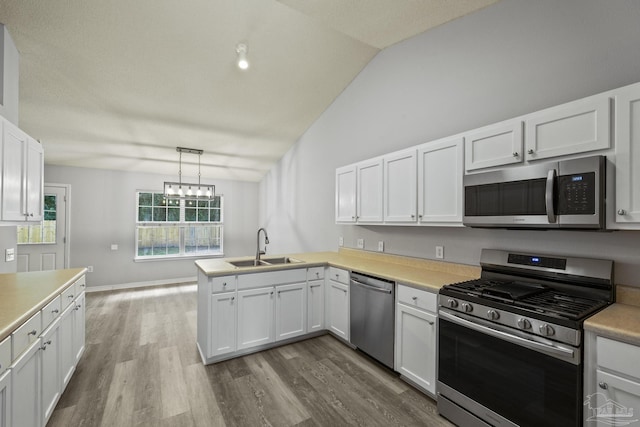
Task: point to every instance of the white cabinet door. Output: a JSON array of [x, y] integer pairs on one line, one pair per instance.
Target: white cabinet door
[[576, 127], [494, 145], [627, 158], [369, 184], [315, 306], [5, 399], [255, 317], [222, 328], [400, 186], [415, 349], [346, 194], [51, 375], [67, 353], [338, 309], [440, 181], [34, 180], [291, 310], [13, 163], [618, 400], [26, 388], [78, 327]]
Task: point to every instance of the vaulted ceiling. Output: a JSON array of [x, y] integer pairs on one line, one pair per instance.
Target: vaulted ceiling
[[120, 84]]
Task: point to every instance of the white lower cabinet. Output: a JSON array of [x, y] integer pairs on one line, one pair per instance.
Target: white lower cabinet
[[415, 340], [26, 387], [291, 310], [78, 327], [5, 399], [67, 353], [51, 375], [222, 328], [255, 317], [315, 306], [337, 309]]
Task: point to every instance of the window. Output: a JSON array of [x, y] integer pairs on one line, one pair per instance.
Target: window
[[43, 232], [167, 227]]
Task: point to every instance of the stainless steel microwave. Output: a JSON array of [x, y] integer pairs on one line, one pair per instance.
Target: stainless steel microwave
[[564, 194]]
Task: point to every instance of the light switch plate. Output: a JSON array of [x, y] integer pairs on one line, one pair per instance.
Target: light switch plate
[[340, 241], [360, 243], [380, 246], [114, 247], [440, 252], [10, 254]]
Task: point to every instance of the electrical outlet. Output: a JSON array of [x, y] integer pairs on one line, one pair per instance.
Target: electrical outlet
[[360, 243], [114, 247], [341, 241], [9, 254], [440, 252], [380, 246], [90, 269]]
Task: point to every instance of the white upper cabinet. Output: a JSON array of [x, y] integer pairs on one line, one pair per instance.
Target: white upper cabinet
[[346, 194], [440, 181], [494, 145], [369, 185], [572, 128], [22, 175], [400, 186]]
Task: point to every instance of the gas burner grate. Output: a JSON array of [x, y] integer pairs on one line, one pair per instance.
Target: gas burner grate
[[568, 306]]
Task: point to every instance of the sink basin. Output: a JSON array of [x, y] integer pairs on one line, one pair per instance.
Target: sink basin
[[280, 260], [246, 263], [263, 262]]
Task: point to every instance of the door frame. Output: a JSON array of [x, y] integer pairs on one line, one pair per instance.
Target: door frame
[[67, 221]]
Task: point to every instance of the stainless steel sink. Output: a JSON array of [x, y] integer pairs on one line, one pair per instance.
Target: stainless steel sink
[[263, 262], [280, 260]]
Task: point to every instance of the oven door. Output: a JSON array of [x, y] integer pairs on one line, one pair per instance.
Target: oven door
[[504, 378]]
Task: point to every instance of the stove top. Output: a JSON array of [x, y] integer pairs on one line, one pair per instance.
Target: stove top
[[535, 297]]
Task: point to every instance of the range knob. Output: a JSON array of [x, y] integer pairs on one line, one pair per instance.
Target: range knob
[[493, 315], [452, 303], [524, 323], [546, 330], [466, 307]]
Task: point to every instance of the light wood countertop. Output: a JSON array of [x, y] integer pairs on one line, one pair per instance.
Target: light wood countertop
[[416, 272], [23, 294], [621, 320]]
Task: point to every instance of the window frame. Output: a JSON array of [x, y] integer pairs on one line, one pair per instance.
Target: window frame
[[183, 226]]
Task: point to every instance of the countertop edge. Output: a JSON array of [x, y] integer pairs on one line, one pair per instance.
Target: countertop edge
[[9, 329], [618, 321]]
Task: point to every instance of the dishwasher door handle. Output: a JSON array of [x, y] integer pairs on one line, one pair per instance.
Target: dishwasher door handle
[[373, 288]]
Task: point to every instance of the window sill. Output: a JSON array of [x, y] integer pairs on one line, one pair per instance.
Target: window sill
[[177, 258]]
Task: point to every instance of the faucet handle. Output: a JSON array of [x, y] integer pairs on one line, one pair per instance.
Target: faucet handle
[[263, 252]]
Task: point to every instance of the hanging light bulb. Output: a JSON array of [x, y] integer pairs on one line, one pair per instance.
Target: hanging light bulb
[[243, 62]]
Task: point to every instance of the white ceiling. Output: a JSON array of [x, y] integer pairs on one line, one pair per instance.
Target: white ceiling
[[119, 84]]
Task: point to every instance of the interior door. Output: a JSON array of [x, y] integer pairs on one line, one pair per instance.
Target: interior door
[[43, 246]]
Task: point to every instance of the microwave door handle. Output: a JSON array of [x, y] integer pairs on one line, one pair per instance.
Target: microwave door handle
[[548, 196]]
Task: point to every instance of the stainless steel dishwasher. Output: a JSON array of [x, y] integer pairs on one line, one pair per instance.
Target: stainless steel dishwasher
[[372, 316]]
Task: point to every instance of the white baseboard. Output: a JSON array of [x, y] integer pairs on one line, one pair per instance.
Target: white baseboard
[[133, 285]]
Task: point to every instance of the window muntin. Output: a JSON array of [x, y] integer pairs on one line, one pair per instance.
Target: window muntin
[[168, 227]]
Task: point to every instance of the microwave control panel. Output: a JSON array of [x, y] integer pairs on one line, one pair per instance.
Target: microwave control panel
[[577, 194]]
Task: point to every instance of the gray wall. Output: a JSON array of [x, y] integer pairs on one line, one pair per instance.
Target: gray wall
[[8, 240], [103, 212], [512, 58]]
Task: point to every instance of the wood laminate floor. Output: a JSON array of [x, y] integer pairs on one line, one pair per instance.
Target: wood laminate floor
[[141, 368]]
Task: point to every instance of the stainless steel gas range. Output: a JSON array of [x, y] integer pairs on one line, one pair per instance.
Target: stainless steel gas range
[[510, 343]]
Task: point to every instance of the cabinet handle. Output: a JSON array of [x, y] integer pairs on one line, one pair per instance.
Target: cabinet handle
[[224, 284], [31, 214], [279, 293], [55, 311], [70, 296], [414, 298], [530, 151], [412, 216], [233, 299], [603, 385], [45, 344], [431, 322], [82, 285], [317, 275], [337, 276], [420, 216], [515, 154], [353, 217], [34, 332], [271, 293], [622, 212]]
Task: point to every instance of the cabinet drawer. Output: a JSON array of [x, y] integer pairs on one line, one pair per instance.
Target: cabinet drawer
[[417, 298], [222, 284], [26, 334], [339, 275], [5, 354], [51, 311], [618, 356], [315, 273], [67, 296], [80, 285]]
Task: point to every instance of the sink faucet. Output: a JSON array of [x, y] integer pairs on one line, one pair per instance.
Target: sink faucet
[[266, 242]]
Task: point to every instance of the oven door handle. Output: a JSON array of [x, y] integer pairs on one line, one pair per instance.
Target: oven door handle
[[564, 353]]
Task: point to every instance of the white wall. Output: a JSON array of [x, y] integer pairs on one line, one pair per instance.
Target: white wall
[[103, 212], [509, 59], [8, 240], [9, 76]]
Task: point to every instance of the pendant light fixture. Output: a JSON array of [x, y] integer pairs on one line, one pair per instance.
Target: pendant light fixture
[[243, 61], [185, 190]]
